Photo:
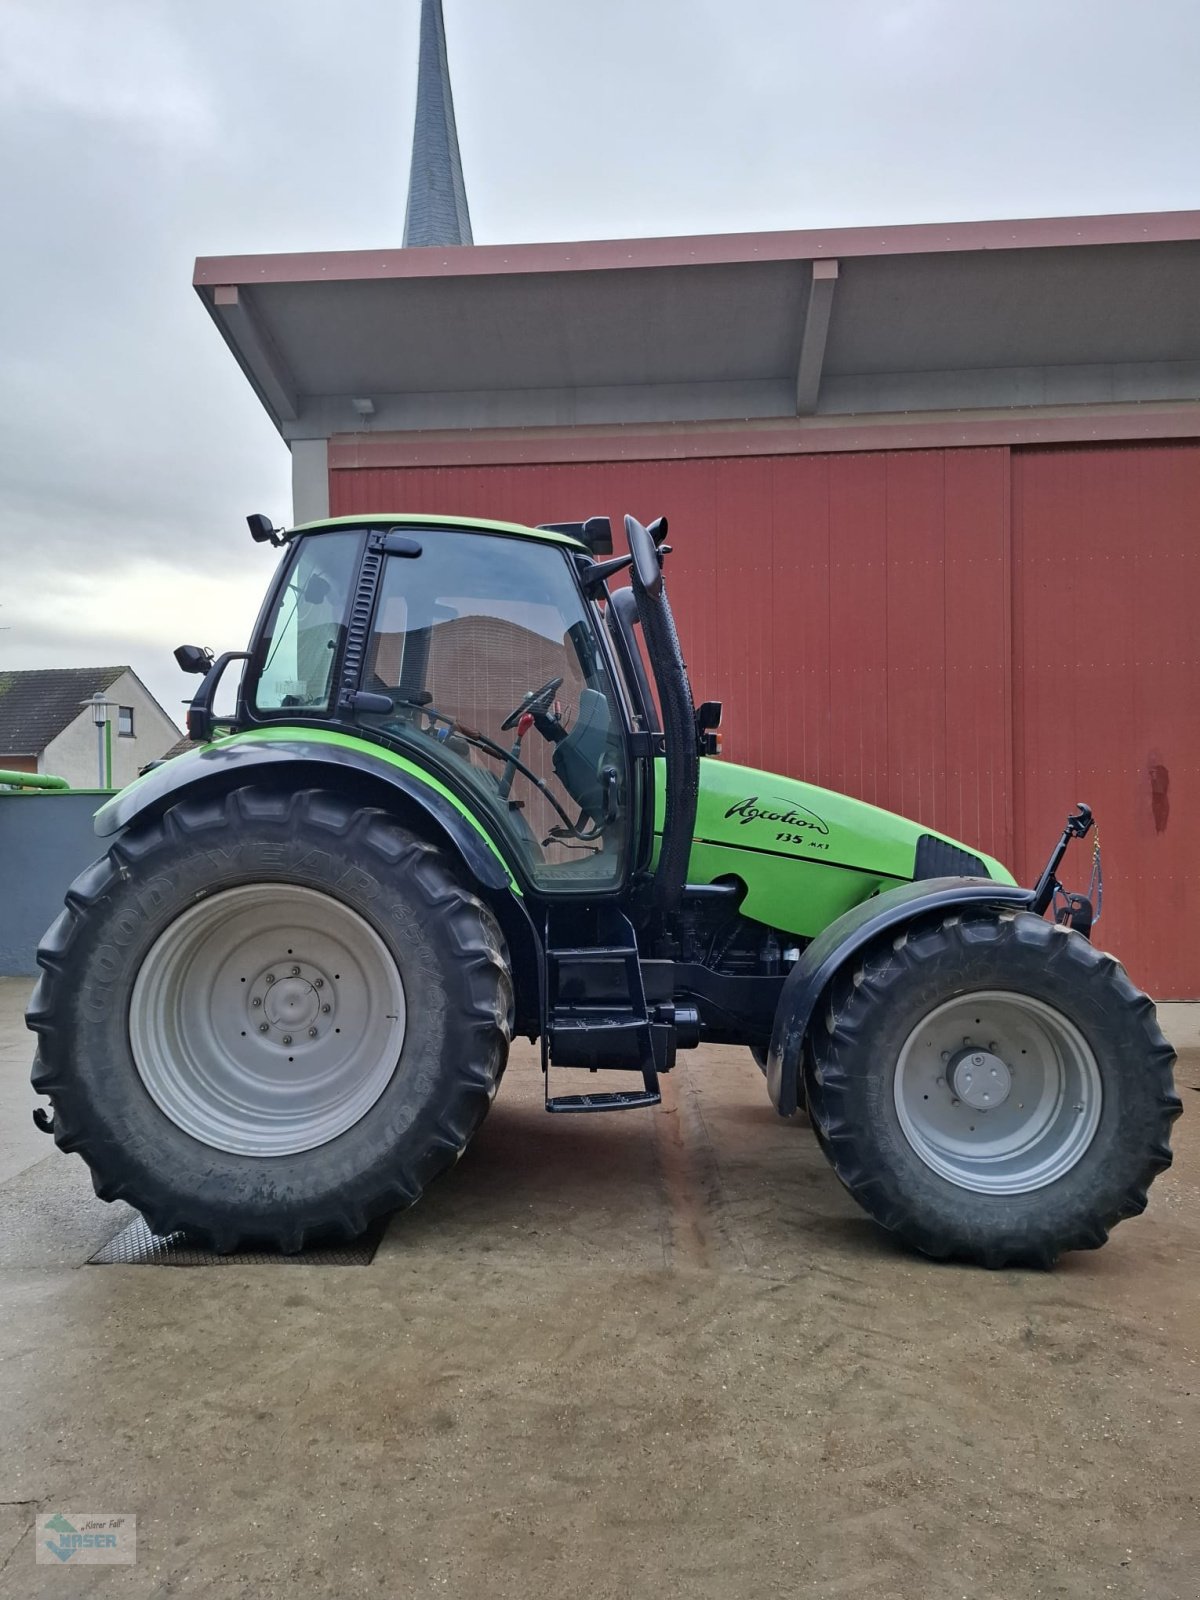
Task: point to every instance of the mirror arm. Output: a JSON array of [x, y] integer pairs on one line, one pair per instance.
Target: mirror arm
[[593, 575]]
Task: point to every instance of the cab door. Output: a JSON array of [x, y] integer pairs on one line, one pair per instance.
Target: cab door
[[494, 671]]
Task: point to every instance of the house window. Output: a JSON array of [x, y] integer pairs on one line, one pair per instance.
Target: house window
[[125, 721]]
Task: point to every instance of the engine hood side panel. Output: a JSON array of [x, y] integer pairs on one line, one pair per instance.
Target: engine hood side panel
[[806, 854]]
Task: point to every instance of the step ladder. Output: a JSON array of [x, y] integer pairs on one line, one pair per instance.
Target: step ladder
[[597, 1017]]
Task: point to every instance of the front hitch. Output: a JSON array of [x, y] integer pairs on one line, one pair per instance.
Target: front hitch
[[1075, 910]]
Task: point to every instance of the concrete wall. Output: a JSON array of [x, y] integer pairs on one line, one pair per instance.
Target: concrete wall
[[73, 754], [310, 480], [45, 840]]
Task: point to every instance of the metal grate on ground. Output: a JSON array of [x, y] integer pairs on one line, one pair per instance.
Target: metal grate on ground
[[136, 1246]]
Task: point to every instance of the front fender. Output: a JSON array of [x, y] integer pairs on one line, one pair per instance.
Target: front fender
[[239, 758], [833, 947]]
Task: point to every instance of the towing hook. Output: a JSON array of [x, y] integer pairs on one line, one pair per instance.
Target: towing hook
[[43, 1120], [1079, 823]]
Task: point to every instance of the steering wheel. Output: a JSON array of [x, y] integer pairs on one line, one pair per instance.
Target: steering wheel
[[536, 701]]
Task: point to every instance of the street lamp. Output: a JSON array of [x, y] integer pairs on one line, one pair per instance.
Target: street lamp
[[101, 714]]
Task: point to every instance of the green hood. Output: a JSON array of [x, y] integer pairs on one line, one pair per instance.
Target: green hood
[[805, 854]]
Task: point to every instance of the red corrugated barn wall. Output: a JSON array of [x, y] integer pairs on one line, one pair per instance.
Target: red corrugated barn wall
[[976, 638]]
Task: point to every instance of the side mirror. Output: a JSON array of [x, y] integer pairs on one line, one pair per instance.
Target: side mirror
[[262, 530], [194, 658], [647, 571]]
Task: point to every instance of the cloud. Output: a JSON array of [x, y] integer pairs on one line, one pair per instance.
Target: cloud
[[83, 618], [117, 61], [141, 133]]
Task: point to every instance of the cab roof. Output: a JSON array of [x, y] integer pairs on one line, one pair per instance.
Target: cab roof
[[510, 530]]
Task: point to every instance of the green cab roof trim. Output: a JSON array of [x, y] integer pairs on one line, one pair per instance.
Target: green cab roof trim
[[410, 519]]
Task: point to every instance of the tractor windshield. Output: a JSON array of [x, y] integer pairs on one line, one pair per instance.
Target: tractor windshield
[[487, 651]]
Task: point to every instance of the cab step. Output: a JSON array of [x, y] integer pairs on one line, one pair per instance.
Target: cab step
[[597, 1016], [614, 1100]]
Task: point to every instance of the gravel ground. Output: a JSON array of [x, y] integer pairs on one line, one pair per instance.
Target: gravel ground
[[654, 1353]]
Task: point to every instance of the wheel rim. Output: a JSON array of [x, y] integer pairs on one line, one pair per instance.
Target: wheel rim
[[267, 1019], [998, 1092]]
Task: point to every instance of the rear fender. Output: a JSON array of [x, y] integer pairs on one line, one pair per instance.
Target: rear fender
[[313, 764], [841, 941]]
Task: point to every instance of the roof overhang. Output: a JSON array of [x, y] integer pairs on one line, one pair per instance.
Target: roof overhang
[[800, 334]]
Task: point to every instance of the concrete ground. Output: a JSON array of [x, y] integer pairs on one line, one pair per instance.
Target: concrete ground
[[656, 1353]]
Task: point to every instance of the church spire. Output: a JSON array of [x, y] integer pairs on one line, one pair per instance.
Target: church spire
[[437, 196]]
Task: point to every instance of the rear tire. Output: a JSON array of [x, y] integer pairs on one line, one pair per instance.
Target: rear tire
[[1035, 1134], [383, 1041]]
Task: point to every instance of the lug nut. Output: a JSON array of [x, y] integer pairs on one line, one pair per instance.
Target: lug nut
[[270, 977], [326, 1009], [256, 1002], [264, 1027], [318, 983], [287, 1038], [312, 1033], [295, 972]]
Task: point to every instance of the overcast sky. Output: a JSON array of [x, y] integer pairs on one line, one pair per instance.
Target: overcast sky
[[138, 134]]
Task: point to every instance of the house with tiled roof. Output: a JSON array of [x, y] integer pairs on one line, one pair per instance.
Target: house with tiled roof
[[95, 726]]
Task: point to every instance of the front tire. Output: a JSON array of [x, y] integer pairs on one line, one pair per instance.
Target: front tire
[[266, 1018], [991, 1087]]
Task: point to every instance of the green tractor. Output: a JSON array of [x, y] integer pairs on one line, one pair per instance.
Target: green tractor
[[466, 794]]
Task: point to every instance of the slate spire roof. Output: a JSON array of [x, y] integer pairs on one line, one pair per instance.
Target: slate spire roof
[[437, 196], [35, 707]]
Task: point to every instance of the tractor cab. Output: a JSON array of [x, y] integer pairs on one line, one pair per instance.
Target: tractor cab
[[482, 660], [490, 655]]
